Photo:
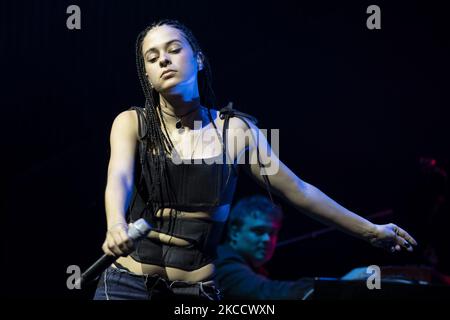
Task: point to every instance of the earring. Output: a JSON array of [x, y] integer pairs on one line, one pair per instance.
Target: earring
[[200, 64]]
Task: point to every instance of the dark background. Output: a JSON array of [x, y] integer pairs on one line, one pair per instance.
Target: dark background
[[357, 110]]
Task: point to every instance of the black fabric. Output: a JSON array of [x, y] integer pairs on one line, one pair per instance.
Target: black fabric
[[196, 185], [203, 237], [193, 187]]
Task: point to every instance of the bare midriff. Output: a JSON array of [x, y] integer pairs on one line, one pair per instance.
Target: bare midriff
[[170, 273]]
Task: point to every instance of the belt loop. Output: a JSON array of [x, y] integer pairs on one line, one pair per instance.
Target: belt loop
[[153, 286], [204, 292], [105, 280]]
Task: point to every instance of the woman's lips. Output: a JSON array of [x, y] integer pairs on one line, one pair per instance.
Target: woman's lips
[[167, 73]]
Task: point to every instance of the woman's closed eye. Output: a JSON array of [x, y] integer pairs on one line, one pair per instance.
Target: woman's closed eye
[[176, 50], [153, 59]]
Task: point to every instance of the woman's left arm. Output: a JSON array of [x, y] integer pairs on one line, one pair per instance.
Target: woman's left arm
[[316, 204]]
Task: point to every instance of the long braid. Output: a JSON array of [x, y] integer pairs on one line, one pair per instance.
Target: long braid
[[158, 144]]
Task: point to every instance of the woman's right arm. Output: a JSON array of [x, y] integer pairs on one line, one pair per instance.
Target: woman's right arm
[[119, 187]]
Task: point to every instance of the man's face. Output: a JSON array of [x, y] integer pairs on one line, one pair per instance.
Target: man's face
[[256, 239]]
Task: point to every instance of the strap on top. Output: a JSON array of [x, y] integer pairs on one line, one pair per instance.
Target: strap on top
[[226, 113]]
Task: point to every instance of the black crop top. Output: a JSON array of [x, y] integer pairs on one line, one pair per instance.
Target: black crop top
[[194, 186]]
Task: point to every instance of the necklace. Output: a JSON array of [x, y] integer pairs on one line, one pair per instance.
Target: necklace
[[178, 124], [196, 136]]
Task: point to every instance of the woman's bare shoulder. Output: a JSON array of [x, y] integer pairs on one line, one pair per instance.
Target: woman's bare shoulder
[[126, 122], [127, 117]]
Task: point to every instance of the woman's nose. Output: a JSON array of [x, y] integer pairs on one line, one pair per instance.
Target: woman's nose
[[164, 61]]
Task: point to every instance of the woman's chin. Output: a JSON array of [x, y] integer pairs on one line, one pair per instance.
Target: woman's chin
[[170, 87]]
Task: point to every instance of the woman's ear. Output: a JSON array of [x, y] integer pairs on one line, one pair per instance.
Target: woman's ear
[[200, 60]]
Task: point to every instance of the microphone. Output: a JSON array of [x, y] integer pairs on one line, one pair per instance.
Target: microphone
[[137, 231]]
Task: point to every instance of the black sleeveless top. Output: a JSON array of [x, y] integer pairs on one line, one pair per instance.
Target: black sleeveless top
[[188, 187]]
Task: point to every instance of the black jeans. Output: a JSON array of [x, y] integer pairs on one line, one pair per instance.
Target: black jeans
[[120, 284]]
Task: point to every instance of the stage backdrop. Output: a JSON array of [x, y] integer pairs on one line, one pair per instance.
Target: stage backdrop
[[356, 109]]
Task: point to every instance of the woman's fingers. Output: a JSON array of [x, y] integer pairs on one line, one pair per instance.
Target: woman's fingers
[[106, 249], [118, 242], [113, 243], [393, 238], [405, 235], [126, 244], [402, 242], [403, 239]]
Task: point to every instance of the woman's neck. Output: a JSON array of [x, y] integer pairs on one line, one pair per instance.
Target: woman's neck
[[175, 107]]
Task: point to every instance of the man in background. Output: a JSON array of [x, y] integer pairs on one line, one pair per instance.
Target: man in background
[[252, 234]]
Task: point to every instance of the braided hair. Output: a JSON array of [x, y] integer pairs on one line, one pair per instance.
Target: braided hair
[[156, 143]]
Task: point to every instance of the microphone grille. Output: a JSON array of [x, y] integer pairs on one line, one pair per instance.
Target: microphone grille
[[139, 229]]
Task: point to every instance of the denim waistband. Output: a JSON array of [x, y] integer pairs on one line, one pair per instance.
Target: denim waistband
[[205, 288]]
